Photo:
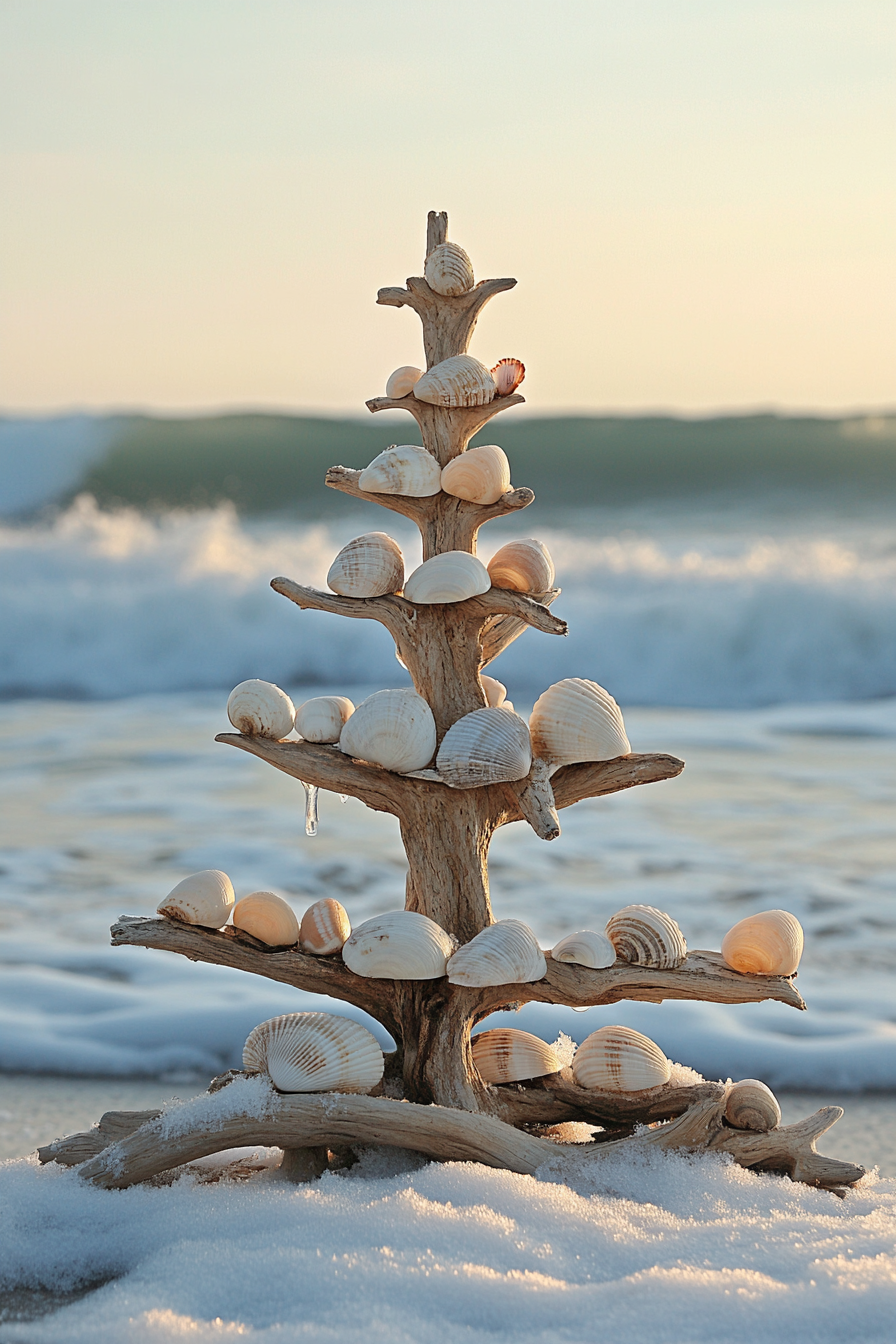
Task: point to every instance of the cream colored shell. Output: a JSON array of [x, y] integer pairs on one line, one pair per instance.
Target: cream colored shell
[[402, 470], [324, 929], [204, 898], [524, 566], [322, 718], [617, 1059], [402, 381], [394, 729], [458, 381], [369, 566], [643, 936], [448, 270], [314, 1052], [495, 691], [261, 709], [751, 1105], [505, 953], [488, 746], [402, 945], [577, 720], [452, 576], [770, 943], [480, 475], [268, 918], [508, 374], [586, 948], [507, 1055]]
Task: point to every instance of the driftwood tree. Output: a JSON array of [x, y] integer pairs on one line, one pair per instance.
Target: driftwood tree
[[446, 833]]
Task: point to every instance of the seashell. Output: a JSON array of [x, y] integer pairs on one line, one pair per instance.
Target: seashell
[[524, 566], [495, 691], [643, 936], [481, 475], [325, 927], [506, 1055], [261, 709], [505, 953], [394, 729], [323, 718], [448, 270], [577, 720], [488, 746], [508, 374], [402, 470], [770, 943], [204, 898], [399, 946], [458, 381], [452, 576], [402, 381], [752, 1105], [586, 949], [620, 1060], [267, 918], [314, 1052], [369, 566]]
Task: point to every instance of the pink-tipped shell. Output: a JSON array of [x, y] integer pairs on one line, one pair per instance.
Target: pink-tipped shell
[[770, 943], [507, 1055], [618, 1059], [325, 928], [508, 374], [268, 918]]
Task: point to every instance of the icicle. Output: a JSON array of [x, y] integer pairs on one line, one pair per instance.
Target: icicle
[[311, 792]]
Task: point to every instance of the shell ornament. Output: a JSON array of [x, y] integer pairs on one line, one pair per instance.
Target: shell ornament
[[204, 898], [523, 566], [452, 576], [643, 936], [577, 720], [402, 945], [480, 475], [369, 566], [394, 729], [506, 953], [404, 469], [507, 1055], [586, 948], [448, 270], [489, 746], [617, 1059], [458, 381], [508, 374], [268, 918], [325, 928], [770, 943], [314, 1052], [401, 382], [323, 718], [261, 709]]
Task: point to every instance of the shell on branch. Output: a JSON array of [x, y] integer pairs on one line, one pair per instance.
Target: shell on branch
[[369, 566], [751, 1105], [404, 469], [585, 948], [508, 374], [452, 576], [505, 953], [643, 936], [480, 475], [577, 720], [204, 898], [618, 1059], [402, 945], [488, 746], [394, 729], [525, 566], [495, 691], [268, 918], [324, 929], [448, 270], [507, 1055], [402, 381], [322, 718], [770, 943], [458, 381], [261, 709], [314, 1052]]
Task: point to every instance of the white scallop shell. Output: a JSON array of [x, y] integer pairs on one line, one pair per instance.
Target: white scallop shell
[[324, 929], [507, 1055], [394, 729], [495, 691], [586, 948], [402, 381], [314, 1052], [204, 898], [480, 475], [452, 576], [369, 566], [448, 270], [458, 381], [751, 1105], [268, 918], [525, 566], [577, 720], [618, 1059], [643, 936], [770, 943], [261, 709], [508, 374], [402, 945], [404, 469], [505, 953], [488, 746]]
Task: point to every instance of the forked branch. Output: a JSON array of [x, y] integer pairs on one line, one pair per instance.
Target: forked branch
[[446, 430], [448, 323]]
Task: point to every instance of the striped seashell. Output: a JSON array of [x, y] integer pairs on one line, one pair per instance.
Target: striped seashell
[[452, 576], [506, 1055], [324, 929], [448, 270], [394, 729], [495, 691], [268, 918], [204, 898], [585, 949], [369, 566], [505, 953], [261, 709], [751, 1105], [402, 381], [404, 469], [322, 718], [618, 1059], [577, 720], [488, 746], [314, 1052], [480, 475], [458, 381], [770, 943], [399, 946], [524, 566], [508, 374], [643, 936]]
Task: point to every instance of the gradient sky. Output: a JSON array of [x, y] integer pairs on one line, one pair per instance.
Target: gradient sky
[[203, 196]]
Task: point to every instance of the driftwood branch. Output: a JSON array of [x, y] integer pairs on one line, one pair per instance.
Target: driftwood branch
[[446, 430], [448, 323]]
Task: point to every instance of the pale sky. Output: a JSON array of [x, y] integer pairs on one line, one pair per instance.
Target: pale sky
[[202, 197]]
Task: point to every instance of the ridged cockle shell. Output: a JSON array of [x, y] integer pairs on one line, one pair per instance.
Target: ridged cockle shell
[[394, 729], [507, 1055], [488, 746], [770, 943], [261, 709], [508, 374], [458, 381], [448, 270], [495, 691], [402, 381], [314, 1052], [480, 475], [586, 948], [751, 1105], [204, 898], [402, 945], [369, 566], [524, 566], [268, 918], [323, 718], [577, 720], [618, 1059], [324, 929], [505, 953], [644, 936], [402, 470], [452, 576]]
